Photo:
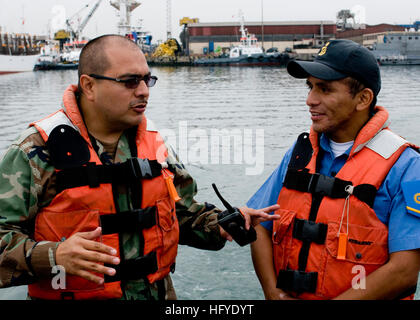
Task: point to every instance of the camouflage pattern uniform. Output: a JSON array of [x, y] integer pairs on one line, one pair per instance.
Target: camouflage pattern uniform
[[27, 183]]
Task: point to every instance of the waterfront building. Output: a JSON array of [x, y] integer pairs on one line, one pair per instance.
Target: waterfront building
[[203, 37], [304, 37]]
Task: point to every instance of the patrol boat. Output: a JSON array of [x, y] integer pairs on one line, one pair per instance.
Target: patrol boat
[[398, 48], [248, 53]]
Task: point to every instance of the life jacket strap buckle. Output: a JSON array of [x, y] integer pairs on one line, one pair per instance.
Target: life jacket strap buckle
[[140, 168], [133, 269], [321, 184], [297, 281], [311, 231], [130, 221]]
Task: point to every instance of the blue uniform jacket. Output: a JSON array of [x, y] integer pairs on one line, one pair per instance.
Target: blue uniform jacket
[[390, 204]]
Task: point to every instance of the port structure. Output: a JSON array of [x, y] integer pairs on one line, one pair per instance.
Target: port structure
[[125, 7]]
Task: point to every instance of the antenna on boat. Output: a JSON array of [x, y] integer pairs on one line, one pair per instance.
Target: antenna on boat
[[262, 24]]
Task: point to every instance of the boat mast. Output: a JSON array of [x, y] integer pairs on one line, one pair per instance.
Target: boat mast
[[245, 37], [242, 29], [262, 24]]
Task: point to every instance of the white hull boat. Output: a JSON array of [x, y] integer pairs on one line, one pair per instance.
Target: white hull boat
[[17, 63]]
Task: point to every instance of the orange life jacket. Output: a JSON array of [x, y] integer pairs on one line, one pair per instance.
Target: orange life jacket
[[84, 206], [310, 260]]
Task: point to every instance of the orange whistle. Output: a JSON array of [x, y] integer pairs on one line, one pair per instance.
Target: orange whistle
[[171, 188], [342, 246]]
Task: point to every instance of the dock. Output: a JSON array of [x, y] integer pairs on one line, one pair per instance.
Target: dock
[[188, 61], [171, 61]]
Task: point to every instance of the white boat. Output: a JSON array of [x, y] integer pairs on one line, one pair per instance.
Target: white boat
[[247, 53], [17, 63], [248, 44], [71, 56]]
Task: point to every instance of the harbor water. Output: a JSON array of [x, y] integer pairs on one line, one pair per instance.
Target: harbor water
[[262, 109]]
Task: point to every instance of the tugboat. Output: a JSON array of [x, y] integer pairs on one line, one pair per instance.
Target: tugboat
[[248, 53]]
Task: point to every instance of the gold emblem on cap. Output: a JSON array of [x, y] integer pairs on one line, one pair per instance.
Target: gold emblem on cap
[[324, 49]]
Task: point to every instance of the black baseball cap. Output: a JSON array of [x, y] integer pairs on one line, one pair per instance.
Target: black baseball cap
[[337, 60]]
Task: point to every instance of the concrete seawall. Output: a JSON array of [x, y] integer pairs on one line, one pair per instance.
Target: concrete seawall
[[189, 60]]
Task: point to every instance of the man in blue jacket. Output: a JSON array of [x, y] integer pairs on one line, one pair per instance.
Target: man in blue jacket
[[344, 81]]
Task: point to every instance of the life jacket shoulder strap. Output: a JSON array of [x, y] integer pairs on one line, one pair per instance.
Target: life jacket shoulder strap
[[386, 143], [49, 123], [151, 126], [302, 152], [298, 178], [319, 184]]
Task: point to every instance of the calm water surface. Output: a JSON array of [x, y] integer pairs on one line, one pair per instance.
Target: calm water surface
[[199, 100]]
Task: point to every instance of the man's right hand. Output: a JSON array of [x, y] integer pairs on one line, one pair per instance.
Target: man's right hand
[[81, 255]]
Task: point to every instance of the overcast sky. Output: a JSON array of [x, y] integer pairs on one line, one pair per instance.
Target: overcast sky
[[38, 13]]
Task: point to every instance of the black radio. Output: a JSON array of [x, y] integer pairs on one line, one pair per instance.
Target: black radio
[[233, 222]]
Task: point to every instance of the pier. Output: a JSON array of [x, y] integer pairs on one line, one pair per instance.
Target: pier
[[185, 61], [19, 44]]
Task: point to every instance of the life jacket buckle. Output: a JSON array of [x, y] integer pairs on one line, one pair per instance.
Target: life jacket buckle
[[130, 221], [311, 231], [321, 184], [134, 269], [297, 281], [140, 168]]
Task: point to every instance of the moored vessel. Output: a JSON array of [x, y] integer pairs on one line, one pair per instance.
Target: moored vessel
[[18, 53], [247, 53], [398, 48]]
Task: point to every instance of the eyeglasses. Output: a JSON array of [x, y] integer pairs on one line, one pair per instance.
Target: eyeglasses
[[132, 82]]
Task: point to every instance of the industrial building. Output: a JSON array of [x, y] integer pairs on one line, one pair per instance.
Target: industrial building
[[369, 32], [302, 36], [205, 37]]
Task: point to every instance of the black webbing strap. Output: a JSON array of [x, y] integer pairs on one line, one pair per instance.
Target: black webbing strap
[[131, 221], [302, 152], [133, 269], [311, 231], [93, 175], [297, 281], [302, 180]]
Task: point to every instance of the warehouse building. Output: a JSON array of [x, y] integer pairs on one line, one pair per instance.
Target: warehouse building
[[206, 37], [302, 36]]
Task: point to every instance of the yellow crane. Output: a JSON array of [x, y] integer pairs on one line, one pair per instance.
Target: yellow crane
[[187, 20]]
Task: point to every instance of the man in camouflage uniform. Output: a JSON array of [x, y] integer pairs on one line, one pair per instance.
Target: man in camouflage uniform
[[28, 183]]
